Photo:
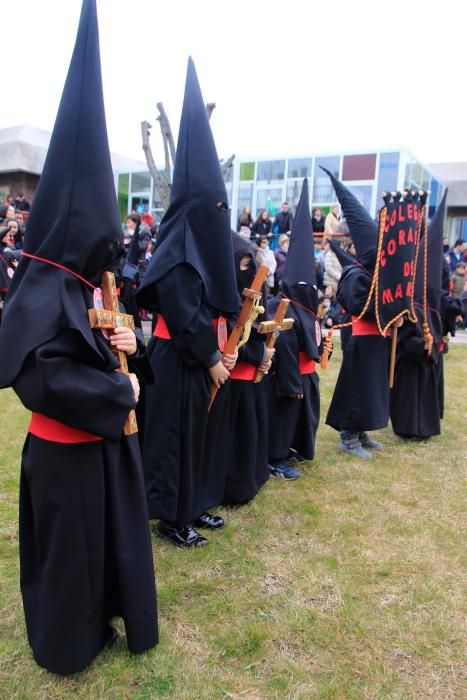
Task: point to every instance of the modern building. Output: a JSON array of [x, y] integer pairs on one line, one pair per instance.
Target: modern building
[[264, 184], [22, 155], [454, 177]]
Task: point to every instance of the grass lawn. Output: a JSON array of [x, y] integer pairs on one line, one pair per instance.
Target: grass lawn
[[344, 584]]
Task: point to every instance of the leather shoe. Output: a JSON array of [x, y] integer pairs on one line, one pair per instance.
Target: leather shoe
[[209, 521], [185, 537]]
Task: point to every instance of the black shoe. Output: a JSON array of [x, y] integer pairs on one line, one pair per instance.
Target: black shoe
[[185, 537], [209, 521]]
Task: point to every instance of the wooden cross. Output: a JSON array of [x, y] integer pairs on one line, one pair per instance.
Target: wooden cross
[[111, 317], [273, 328], [252, 297]]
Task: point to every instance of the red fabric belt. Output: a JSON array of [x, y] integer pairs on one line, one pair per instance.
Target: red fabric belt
[[363, 327], [161, 330], [305, 365], [244, 371], [441, 346], [54, 431]]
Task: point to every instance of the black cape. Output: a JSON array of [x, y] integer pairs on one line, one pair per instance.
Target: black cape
[[292, 422], [85, 545], [177, 403], [361, 396]]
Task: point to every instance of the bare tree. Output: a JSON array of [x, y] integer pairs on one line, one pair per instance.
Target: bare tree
[[162, 178]]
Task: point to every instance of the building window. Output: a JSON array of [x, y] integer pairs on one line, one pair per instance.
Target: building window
[[363, 193], [247, 171], [269, 199], [293, 191], [123, 188], [359, 167], [388, 171], [299, 167], [323, 191], [269, 170], [245, 197], [140, 182]]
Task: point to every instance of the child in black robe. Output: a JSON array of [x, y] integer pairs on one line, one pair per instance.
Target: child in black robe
[[85, 548], [190, 284], [294, 401]]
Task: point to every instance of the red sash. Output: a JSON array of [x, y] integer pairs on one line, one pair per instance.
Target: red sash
[[364, 327], [244, 371], [54, 431], [305, 365], [161, 330], [441, 346]]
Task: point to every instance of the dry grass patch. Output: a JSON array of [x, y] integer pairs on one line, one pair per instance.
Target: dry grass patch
[[345, 584]]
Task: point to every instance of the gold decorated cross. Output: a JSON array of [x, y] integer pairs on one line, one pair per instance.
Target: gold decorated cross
[[273, 328], [109, 318]]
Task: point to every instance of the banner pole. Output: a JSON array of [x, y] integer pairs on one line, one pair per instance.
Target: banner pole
[[393, 356]]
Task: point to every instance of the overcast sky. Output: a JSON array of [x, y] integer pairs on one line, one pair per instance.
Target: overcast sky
[[289, 78]]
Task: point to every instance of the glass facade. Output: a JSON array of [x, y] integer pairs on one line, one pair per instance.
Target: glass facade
[[270, 199], [299, 167], [323, 191], [265, 184], [270, 170], [388, 172]]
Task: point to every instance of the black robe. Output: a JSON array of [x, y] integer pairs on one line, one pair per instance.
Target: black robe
[[85, 547], [417, 398], [247, 454], [177, 403], [292, 422], [414, 400], [361, 396]]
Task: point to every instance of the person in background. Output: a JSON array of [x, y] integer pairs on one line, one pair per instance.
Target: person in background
[[21, 203], [332, 220], [132, 222], [265, 256], [317, 221], [458, 279], [281, 257], [456, 254], [245, 220], [283, 220], [332, 268], [262, 226]]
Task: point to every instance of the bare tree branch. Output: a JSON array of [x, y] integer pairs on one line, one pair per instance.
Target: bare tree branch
[[166, 130], [226, 165], [162, 178], [210, 107], [161, 184]]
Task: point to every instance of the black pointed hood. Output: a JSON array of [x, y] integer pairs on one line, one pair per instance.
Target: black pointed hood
[[434, 260], [363, 229], [299, 282], [196, 226], [74, 220], [345, 258]]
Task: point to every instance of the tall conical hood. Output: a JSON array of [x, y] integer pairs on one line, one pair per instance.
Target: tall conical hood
[[434, 262], [363, 229], [345, 258], [196, 226], [300, 264], [74, 219], [299, 278]]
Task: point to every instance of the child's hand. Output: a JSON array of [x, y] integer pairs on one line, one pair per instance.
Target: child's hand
[[123, 339], [229, 361]]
